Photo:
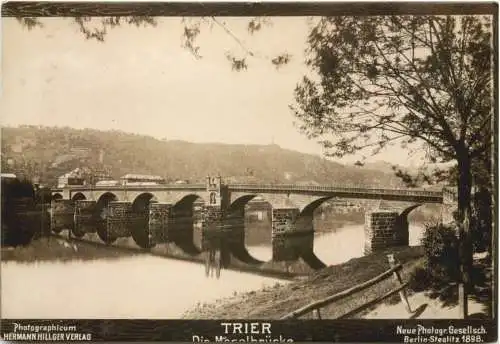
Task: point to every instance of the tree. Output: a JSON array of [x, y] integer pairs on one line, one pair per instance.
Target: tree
[[403, 79], [97, 28]]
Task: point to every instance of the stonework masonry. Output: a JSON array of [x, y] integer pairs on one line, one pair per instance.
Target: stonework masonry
[[292, 236], [212, 222], [159, 214], [119, 219], [384, 229], [85, 216], [62, 217]]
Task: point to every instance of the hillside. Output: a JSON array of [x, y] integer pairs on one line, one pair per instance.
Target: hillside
[[49, 152]]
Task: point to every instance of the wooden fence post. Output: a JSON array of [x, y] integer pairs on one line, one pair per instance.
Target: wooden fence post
[[397, 277]]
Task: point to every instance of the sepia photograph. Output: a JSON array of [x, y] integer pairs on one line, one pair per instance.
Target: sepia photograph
[[249, 172]]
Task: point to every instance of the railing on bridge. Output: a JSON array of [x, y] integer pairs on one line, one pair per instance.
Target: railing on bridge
[[332, 189], [141, 187]]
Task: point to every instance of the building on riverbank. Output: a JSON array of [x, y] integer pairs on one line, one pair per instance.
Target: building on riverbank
[[74, 177], [141, 179]]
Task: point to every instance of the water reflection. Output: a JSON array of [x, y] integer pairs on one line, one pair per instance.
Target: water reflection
[[338, 246], [138, 287], [145, 286]]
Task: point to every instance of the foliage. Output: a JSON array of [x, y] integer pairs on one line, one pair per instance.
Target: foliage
[[419, 278], [440, 269], [481, 221], [97, 29], [399, 78], [19, 220], [441, 266]]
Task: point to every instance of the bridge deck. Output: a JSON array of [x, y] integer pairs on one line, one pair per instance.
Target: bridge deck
[[413, 195], [346, 192]]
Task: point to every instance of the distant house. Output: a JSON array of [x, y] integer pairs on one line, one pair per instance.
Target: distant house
[[107, 183], [80, 150], [99, 176], [74, 177], [307, 183], [141, 179], [8, 175]]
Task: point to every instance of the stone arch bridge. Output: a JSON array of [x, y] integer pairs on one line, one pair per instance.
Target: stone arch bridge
[[163, 213]]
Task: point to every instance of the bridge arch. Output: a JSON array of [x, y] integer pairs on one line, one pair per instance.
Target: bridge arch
[[311, 207], [252, 227], [106, 197], [143, 199], [404, 214], [240, 202], [57, 196], [78, 197], [187, 201], [140, 220], [279, 200], [185, 226]]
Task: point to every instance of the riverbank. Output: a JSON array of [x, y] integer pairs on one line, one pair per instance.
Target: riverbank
[[276, 301], [52, 248]]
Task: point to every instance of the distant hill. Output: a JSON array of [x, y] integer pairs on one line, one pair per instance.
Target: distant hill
[[50, 152]]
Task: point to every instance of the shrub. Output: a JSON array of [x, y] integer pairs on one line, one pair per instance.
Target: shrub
[[442, 255], [481, 221], [419, 279]]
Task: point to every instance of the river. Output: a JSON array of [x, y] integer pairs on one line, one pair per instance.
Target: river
[[145, 286]]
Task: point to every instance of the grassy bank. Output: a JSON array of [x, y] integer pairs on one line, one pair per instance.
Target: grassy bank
[[275, 302]]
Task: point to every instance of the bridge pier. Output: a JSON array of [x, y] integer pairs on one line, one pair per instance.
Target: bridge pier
[[215, 236], [62, 215], [85, 217], [159, 218], [292, 234], [211, 227], [385, 229], [118, 219]]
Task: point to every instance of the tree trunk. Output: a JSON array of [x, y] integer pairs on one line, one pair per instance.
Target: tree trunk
[[463, 221]]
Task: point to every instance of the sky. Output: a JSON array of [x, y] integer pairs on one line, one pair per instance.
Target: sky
[[141, 80]]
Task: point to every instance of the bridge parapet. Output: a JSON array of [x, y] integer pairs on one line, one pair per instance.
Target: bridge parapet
[[196, 187], [339, 191]]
